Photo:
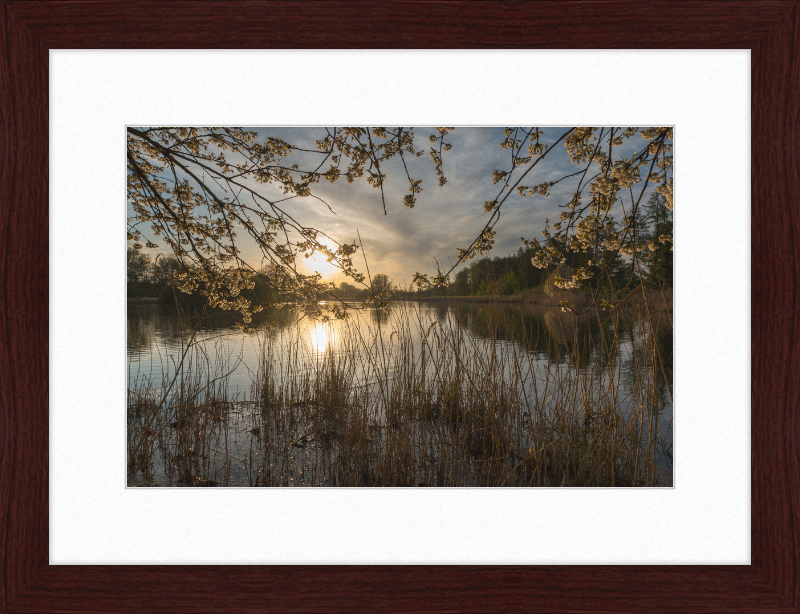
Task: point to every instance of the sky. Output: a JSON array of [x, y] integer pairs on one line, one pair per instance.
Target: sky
[[406, 240]]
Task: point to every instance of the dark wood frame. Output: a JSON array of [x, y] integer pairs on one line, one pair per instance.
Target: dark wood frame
[[30, 28]]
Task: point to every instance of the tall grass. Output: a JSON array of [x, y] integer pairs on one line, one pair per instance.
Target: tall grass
[[456, 399]]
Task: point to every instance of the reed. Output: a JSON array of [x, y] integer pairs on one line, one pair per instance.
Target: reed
[[416, 401]]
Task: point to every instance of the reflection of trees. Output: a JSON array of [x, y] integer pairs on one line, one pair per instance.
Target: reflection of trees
[[140, 330], [644, 373], [550, 334], [440, 309], [378, 316], [145, 322], [663, 339], [594, 339], [598, 339], [170, 325]]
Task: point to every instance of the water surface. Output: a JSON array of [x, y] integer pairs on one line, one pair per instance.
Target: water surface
[[534, 347]]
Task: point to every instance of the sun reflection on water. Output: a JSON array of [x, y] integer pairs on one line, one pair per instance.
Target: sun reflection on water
[[320, 337]]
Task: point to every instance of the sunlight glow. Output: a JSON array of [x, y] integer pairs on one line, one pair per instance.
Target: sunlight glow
[[320, 264], [320, 337]]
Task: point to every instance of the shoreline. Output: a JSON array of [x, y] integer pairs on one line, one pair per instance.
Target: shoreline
[[491, 298], [148, 300]]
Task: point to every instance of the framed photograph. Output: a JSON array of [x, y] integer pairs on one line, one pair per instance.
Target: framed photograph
[[262, 353], [86, 522]]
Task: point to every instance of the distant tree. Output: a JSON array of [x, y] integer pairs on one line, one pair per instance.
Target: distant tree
[[530, 275], [638, 251], [619, 274], [381, 284], [139, 266], [460, 286], [657, 214], [164, 269], [509, 283], [659, 219], [347, 290]]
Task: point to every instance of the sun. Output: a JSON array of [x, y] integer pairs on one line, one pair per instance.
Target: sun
[[319, 262]]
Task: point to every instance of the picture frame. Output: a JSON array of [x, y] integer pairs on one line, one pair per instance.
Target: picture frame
[[28, 583]]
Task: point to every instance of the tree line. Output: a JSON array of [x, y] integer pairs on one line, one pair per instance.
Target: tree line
[[158, 278], [504, 276], [513, 274]]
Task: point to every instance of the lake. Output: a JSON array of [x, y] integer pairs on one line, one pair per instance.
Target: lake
[[428, 394]]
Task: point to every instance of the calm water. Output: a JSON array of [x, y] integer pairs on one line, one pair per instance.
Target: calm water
[[551, 342]]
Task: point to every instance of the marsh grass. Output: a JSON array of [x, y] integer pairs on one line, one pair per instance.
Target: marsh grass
[[460, 399]]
